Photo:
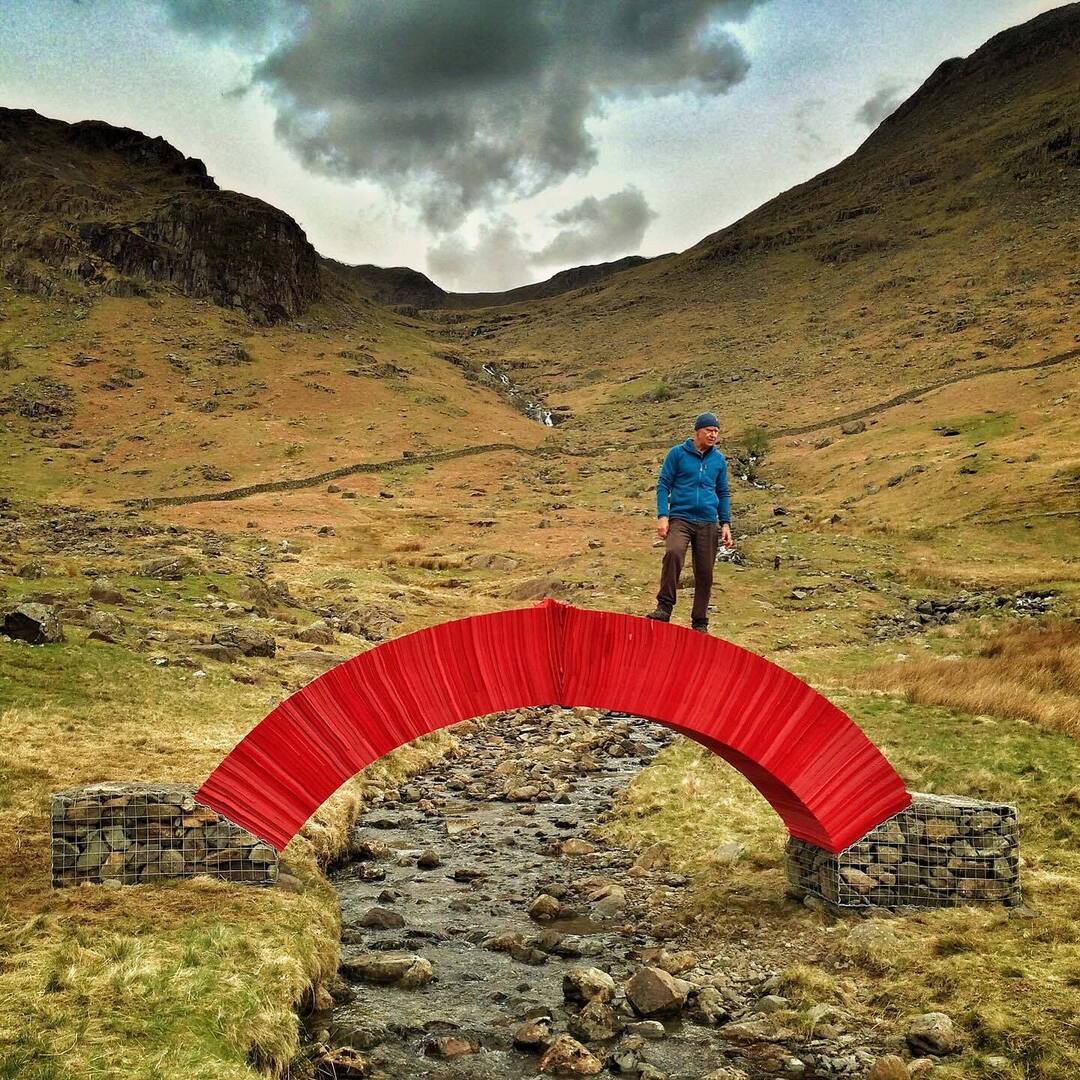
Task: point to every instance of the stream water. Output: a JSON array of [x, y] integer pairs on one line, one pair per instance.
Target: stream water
[[448, 871]]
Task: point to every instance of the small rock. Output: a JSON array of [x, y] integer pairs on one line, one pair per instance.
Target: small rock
[[171, 863], [104, 626], [168, 568], [853, 427], [317, 634], [103, 591], [647, 1029], [575, 846], [595, 1021], [341, 1063], [654, 857], [544, 908], [429, 859], [248, 640], [730, 853], [450, 1046], [771, 1003], [889, 1067], [532, 1035]]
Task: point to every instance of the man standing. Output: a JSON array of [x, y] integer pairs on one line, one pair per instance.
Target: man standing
[[693, 509]]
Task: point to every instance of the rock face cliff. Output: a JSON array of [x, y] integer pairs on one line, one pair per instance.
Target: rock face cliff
[[114, 209]]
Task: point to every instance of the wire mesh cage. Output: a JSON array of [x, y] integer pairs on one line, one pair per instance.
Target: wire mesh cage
[[127, 834], [939, 852]]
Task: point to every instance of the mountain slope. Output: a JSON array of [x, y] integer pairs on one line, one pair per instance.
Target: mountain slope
[[92, 206], [401, 285], [947, 242]]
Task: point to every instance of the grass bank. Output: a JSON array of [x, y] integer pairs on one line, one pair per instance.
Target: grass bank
[[194, 979], [1009, 984]]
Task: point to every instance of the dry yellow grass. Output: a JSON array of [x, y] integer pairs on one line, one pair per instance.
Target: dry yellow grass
[[1009, 984], [1022, 673], [195, 979]]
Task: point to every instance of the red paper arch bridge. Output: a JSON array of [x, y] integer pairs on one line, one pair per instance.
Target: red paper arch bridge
[[822, 775]]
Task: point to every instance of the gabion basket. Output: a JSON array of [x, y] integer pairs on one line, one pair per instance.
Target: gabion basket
[[127, 834], [941, 851]]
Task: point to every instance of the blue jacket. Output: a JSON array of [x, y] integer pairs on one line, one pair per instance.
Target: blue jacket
[[694, 486]]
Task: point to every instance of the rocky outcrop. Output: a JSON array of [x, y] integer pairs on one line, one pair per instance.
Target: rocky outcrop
[[119, 211]]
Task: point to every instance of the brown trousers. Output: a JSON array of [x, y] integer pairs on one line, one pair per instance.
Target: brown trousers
[[703, 538]]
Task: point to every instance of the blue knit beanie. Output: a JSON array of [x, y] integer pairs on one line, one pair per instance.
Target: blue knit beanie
[[706, 419]]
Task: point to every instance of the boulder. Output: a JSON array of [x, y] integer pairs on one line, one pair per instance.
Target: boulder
[[567, 1057], [246, 639], [653, 992], [39, 624], [398, 969], [932, 1033], [104, 592], [588, 984], [380, 918]]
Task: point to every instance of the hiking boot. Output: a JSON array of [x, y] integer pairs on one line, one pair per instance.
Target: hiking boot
[[702, 626], [660, 615]]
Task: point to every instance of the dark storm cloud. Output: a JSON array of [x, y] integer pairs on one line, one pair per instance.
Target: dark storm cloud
[[592, 230], [457, 104], [872, 111]]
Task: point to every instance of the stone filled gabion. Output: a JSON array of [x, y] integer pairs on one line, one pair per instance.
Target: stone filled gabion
[[939, 852], [137, 833]]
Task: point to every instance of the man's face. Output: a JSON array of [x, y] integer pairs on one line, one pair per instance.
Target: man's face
[[706, 436]]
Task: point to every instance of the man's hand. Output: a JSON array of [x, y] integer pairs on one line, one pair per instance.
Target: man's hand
[[662, 528], [725, 537]]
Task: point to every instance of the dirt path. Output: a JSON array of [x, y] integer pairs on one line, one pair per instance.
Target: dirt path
[[449, 875], [230, 494], [919, 391]]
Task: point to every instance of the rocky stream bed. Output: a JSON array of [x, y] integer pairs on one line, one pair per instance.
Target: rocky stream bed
[[488, 933]]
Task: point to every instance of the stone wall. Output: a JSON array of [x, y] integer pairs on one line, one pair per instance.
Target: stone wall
[[127, 834], [940, 851]]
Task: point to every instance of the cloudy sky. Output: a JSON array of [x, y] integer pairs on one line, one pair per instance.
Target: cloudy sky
[[493, 142]]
